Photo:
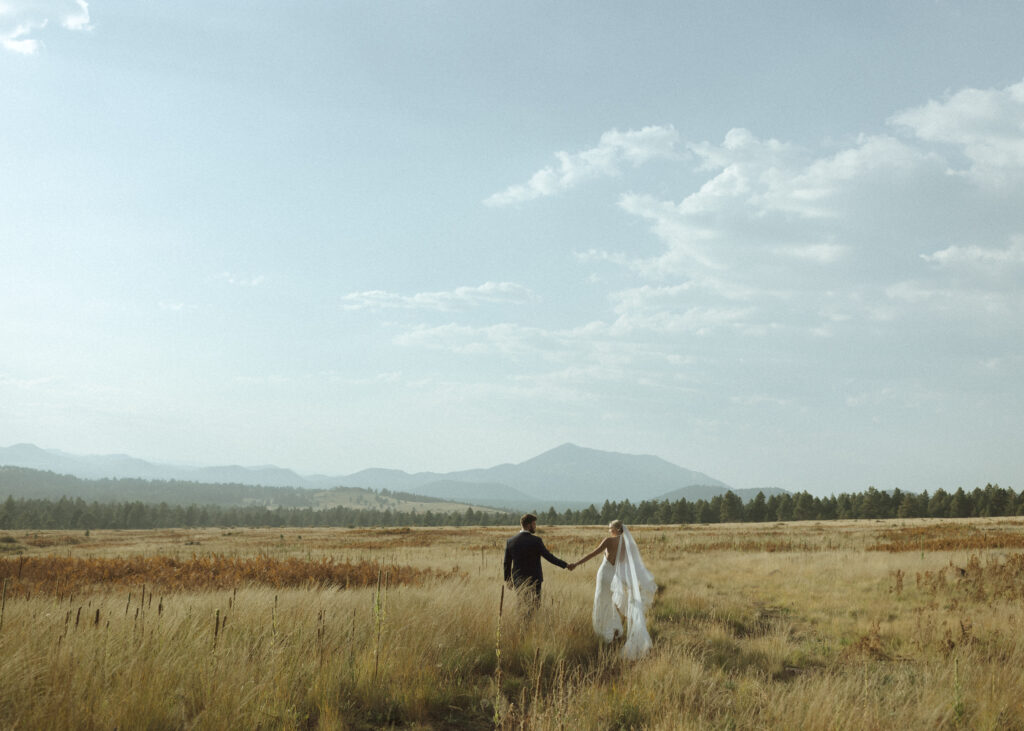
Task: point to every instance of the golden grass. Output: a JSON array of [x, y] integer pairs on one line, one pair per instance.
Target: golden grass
[[805, 625]]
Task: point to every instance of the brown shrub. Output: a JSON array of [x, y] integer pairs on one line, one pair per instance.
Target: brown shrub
[[946, 537], [52, 574]]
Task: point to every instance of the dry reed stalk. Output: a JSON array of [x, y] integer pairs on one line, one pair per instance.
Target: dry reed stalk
[[352, 640], [378, 616], [320, 631], [3, 604], [497, 660], [216, 627]]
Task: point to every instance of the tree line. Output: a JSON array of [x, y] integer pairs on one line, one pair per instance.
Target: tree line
[[77, 514], [991, 500]]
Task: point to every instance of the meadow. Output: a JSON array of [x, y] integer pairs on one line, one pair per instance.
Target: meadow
[[831, 625]]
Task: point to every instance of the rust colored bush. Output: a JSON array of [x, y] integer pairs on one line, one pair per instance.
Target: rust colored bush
[[946, 537], [73, 575]]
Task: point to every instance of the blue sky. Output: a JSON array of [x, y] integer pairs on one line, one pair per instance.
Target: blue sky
[[779, 245]]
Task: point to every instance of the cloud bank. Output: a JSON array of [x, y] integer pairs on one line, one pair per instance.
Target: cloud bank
[[868, 260]]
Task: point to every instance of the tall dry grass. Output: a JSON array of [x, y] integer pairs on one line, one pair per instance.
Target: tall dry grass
[[772, 626]]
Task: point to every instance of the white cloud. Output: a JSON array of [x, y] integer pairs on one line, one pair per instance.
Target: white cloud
[[596, 255], [813, 250], [78, 20], [460, 297], [788, 231], [503, 338], [782, 263], [978, 256], [766, 200], [14, 41], [21, 22], [633, 147], [670, 309], [688, 238], [642, 323], [827, 187], [987, 124], [741, 147]]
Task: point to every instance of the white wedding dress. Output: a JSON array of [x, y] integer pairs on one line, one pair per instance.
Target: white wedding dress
[[627, 587], [607, 622]]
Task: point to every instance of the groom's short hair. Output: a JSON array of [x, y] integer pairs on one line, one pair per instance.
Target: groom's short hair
[[527, 519]]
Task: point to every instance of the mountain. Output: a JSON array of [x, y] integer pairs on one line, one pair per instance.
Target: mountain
[[382, 479], [122, 466], [489, 494], [25, 482], [566, 476], [578, 474], [706, 492]]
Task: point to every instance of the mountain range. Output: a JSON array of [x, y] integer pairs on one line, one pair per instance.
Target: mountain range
[[566, 476]]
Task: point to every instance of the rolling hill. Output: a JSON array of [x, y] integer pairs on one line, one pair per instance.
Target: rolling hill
[[566, 476], [23, 482]]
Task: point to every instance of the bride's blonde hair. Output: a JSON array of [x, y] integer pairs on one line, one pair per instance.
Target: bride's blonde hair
[[616, 525]]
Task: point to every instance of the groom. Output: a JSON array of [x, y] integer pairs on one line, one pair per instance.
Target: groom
[[522, 557]]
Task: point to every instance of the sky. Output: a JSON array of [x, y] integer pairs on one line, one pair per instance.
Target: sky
[[778, 243]]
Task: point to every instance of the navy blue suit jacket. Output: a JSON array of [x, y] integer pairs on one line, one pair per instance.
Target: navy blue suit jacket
[[522, 558]]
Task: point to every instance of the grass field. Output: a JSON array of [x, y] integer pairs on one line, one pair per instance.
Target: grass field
[[846, 625]]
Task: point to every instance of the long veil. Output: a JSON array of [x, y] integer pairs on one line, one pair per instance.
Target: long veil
[[633, 591]]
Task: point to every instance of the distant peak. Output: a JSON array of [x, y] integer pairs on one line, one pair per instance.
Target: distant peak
[[27, 449], [569, 447]]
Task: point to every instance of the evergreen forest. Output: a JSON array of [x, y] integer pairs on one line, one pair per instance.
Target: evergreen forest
[[76, 514]]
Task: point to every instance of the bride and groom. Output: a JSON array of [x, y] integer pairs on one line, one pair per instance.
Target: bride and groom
[[624, 585]]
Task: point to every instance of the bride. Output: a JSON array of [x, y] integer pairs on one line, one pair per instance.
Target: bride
[[623, 585]]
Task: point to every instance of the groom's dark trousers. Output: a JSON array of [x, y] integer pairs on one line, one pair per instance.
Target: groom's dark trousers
[[522, 561]]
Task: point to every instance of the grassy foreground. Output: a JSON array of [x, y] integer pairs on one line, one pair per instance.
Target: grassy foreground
[[913, 624]]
